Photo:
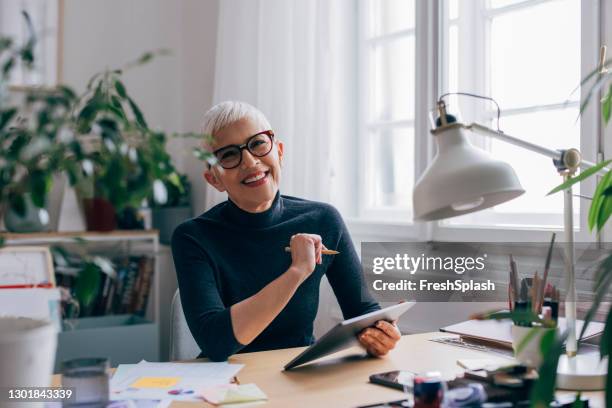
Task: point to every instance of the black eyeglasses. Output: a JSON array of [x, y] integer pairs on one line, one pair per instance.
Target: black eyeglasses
[[259, 145]]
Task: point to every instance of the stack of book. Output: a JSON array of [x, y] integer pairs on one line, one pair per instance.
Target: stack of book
[[125, 293]]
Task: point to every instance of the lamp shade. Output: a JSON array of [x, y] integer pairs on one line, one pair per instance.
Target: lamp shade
[[461, 179]]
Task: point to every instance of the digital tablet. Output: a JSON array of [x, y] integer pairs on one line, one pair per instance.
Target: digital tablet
[[344, 334]]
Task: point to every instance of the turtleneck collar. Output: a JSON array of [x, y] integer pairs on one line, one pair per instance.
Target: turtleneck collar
[[262, 219]]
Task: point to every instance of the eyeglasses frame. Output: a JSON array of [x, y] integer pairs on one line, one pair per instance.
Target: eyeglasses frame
[[269, 133]]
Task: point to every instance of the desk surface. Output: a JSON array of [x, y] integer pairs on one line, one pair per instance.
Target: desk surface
[[345, 383]]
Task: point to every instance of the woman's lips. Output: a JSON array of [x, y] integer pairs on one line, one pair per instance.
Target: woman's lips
[[259, 180]]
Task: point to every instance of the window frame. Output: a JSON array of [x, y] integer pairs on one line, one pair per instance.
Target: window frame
[[365, 214], [429, 52], [52, 70], [590, 34]]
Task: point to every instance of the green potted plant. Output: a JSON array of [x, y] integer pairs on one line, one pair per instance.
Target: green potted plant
[[125, 161], [599, 213], [36, 143]]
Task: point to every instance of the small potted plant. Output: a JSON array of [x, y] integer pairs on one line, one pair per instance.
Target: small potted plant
[[125, 161]]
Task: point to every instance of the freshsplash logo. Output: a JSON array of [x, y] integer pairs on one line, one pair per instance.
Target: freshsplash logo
[[412, 264]]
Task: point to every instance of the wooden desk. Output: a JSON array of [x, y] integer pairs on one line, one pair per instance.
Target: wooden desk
[[345, 383]]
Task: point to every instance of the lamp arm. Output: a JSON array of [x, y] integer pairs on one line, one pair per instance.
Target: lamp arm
[[553, 154], [557, 156]]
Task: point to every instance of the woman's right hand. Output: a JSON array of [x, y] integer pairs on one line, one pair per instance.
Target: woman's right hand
[[306, 252]]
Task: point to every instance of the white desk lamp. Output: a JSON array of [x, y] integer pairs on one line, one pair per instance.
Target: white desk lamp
[[463, 178]]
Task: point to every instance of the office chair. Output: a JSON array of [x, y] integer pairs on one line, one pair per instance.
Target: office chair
[[182, 344]]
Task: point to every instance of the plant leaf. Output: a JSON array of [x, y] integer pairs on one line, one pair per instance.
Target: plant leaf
[[6, 116], [583, 175], [603, 280], [598, 199], [543, 390], [40, 184], [137, 113], [120, 89], [87, 284], [604, 212], [606, 106], [606, 338]]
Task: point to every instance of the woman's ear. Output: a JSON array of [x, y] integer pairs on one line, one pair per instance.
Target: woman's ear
[[213, 179], [279, 148]]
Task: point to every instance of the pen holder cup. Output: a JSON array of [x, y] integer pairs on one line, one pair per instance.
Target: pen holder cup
[[527, 344]]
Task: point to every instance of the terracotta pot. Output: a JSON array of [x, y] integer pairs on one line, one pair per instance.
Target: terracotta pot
[[99, 214]]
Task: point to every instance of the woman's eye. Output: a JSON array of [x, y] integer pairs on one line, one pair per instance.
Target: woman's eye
[[257, 143], [228, 155]]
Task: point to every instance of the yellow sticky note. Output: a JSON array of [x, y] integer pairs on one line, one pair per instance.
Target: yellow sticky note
[[155, 382]]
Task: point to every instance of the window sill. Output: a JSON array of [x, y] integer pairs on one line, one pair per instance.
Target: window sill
[[364, 230]]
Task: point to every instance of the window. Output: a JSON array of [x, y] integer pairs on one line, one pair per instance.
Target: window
[[387, 108], [529, 55], [45, 16], [531, 72]]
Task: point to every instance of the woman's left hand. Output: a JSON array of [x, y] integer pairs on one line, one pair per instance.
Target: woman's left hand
[[380, 338]]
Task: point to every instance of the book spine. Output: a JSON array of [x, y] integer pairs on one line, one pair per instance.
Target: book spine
[[146, 266]]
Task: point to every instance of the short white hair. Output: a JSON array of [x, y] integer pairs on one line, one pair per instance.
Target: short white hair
[[226, 113]]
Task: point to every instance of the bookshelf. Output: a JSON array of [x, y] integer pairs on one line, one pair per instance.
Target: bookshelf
[[142, 240]]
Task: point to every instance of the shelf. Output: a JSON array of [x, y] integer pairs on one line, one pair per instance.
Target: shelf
[[70, 236]]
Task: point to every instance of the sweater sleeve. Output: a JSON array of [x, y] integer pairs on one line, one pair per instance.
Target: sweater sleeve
[[209, 320], [345, 275]]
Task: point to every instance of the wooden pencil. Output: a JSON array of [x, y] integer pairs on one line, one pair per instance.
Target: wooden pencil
[[324, 252]]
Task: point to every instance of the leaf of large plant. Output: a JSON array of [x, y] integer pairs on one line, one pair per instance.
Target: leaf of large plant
[[543, 391], [603, 281], [597, 201], [602, 79], [606, 106], [605, 345], [87, 284], [606, 337], [604, 212], [583, 175]]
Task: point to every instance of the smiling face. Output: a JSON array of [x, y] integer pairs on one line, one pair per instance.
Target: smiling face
[[252, 185]]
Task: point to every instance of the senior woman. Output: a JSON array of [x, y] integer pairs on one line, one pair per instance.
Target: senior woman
[[240, 290]]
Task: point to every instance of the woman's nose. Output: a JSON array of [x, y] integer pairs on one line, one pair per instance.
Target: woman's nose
[[248, 160]]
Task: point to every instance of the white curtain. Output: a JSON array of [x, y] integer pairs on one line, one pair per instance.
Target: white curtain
[[276, 55]]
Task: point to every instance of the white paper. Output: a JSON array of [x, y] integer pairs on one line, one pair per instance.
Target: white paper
[[193, 376]]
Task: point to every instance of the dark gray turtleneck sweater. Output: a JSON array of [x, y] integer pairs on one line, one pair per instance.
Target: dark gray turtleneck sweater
[[226, 255]]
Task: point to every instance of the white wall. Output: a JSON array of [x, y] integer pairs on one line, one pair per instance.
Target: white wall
[[173, 91]]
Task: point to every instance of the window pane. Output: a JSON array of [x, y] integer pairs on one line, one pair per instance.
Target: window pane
[[392, 77], [44, 17], [504, 3], [555, 129], [453, 59], [389, 16], [453, 9], [390, 168], [536, 64]]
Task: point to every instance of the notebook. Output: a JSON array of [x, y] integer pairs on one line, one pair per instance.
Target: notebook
[[498, 332]]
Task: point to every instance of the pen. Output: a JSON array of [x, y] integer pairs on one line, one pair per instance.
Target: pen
[[324, 252]]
